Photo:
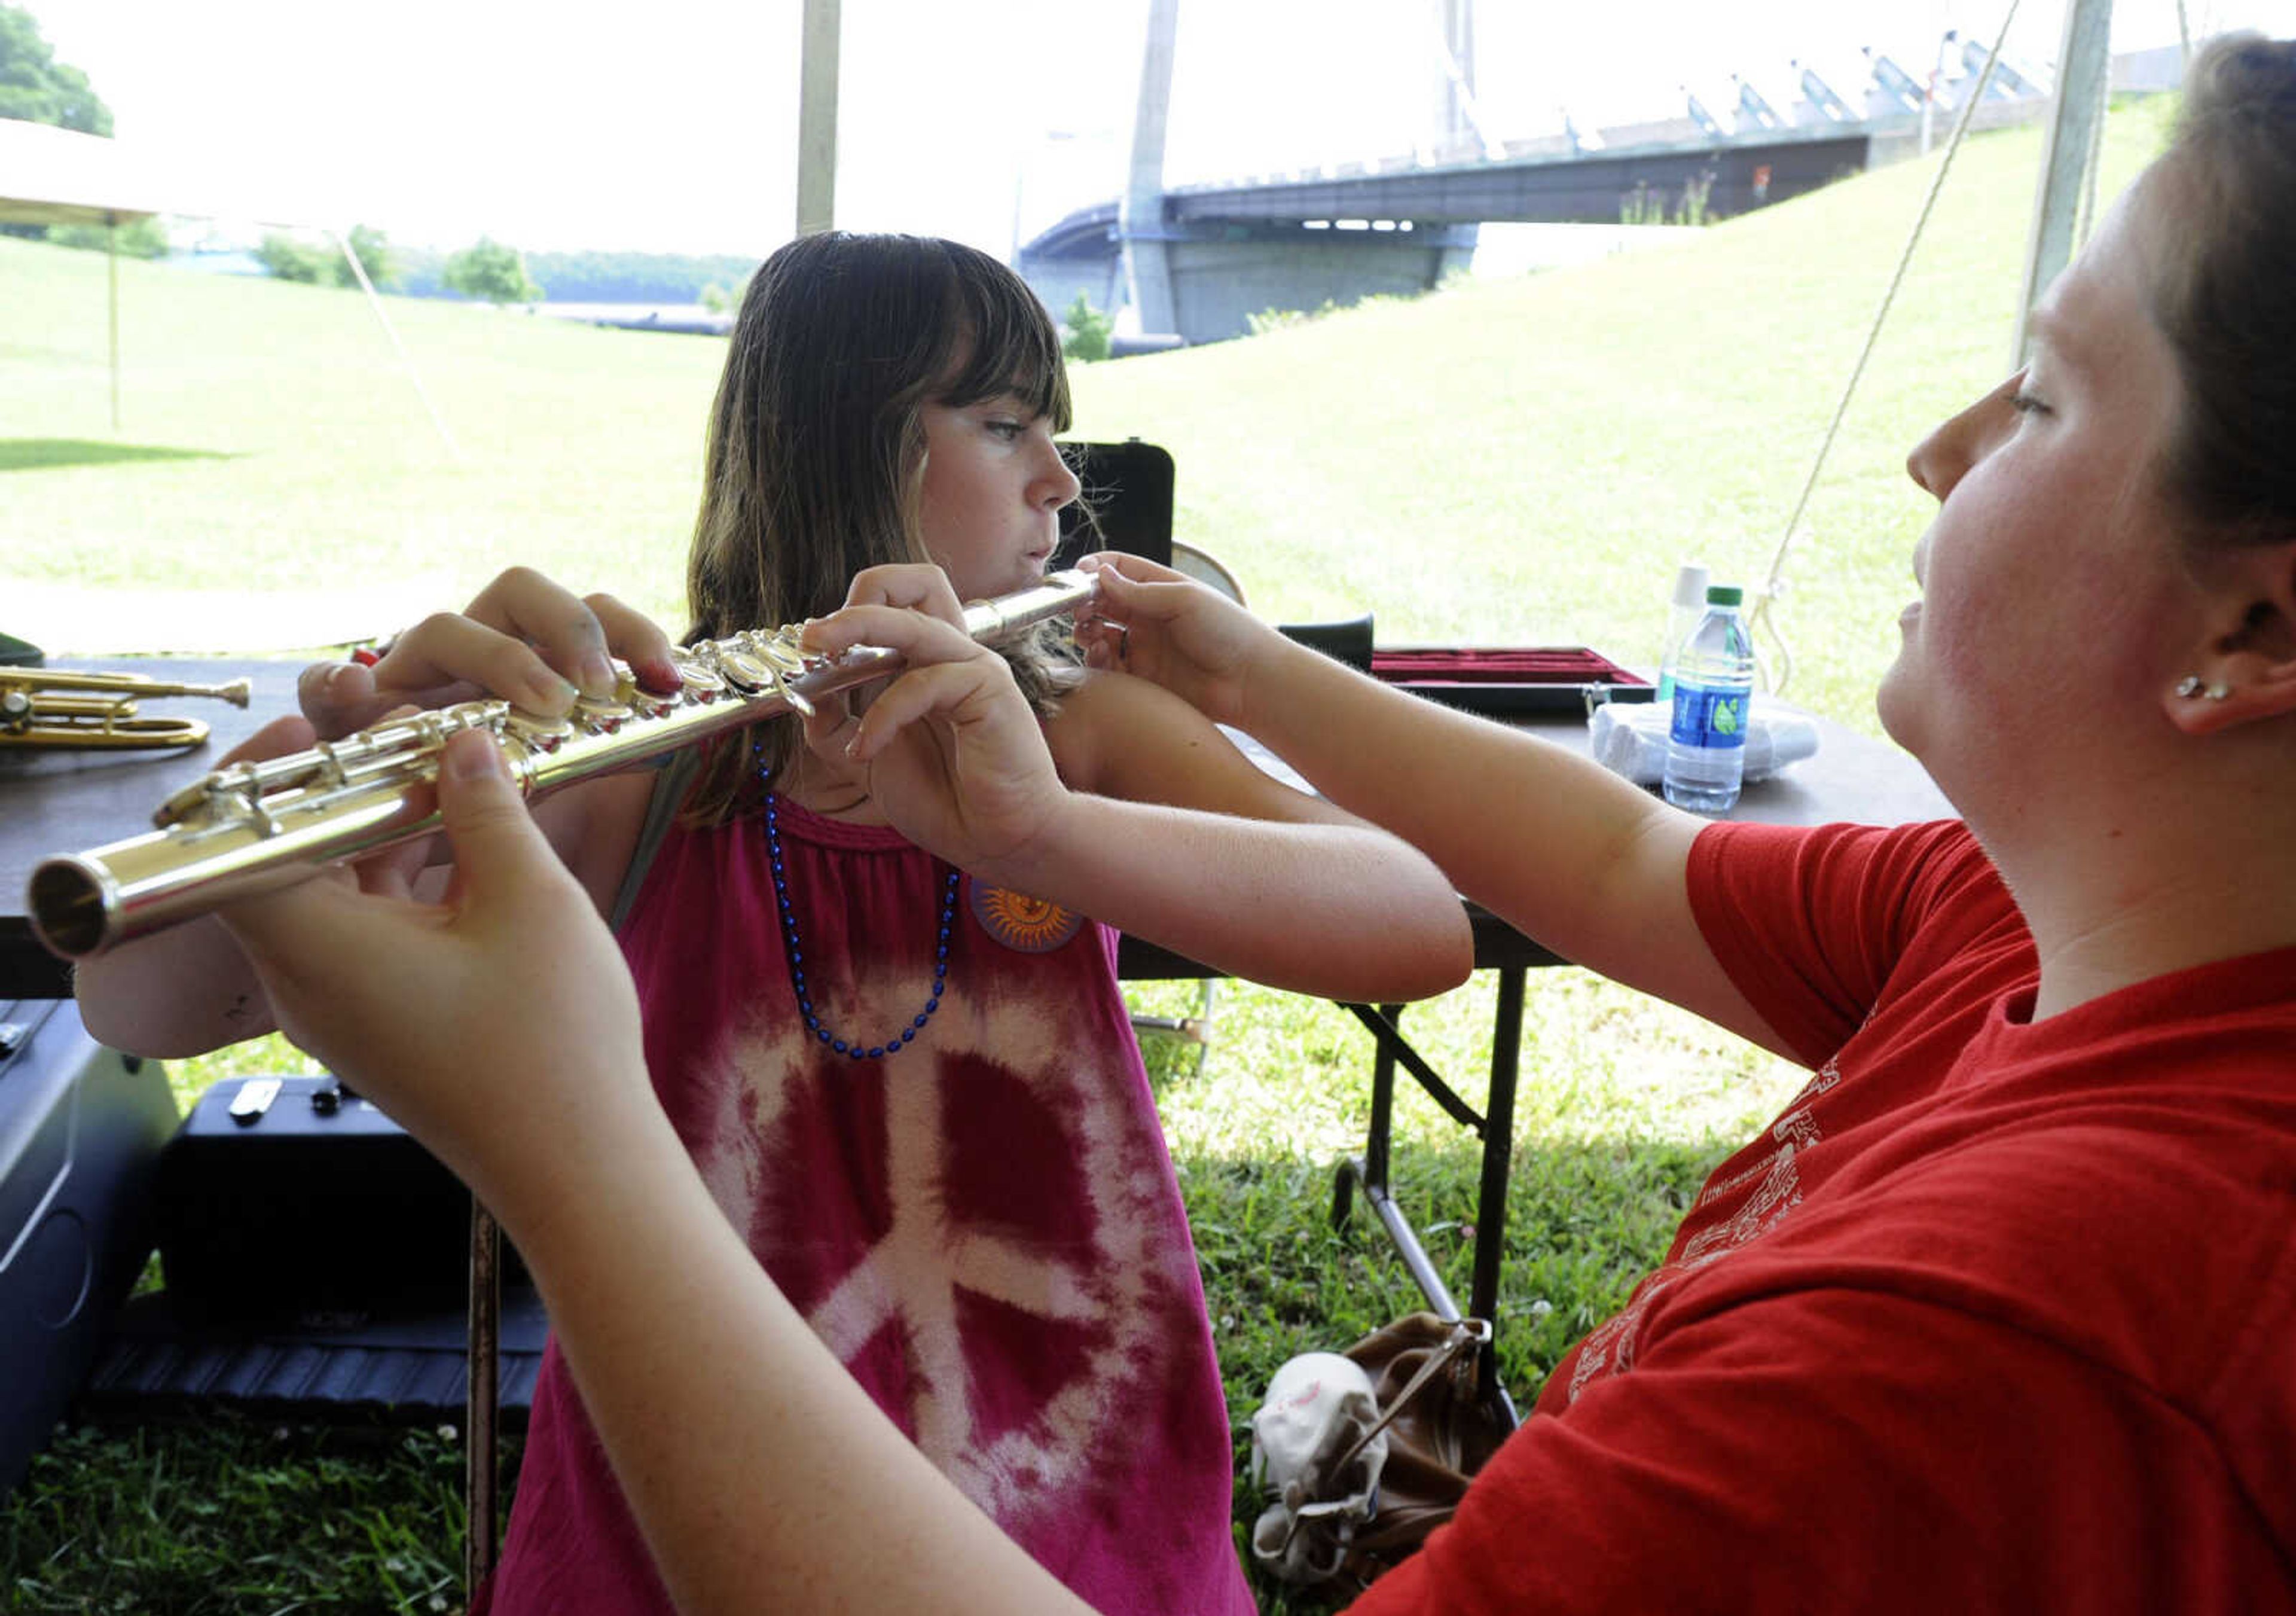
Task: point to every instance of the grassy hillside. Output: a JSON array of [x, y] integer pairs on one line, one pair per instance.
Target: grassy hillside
[[1529, 460], [317, 465], [1524, 460]]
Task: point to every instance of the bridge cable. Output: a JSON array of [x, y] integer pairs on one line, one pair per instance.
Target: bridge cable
[[1758, 619]]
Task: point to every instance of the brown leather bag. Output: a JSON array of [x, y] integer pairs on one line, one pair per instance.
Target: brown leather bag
[[1439, 1430], [1425, 1374]]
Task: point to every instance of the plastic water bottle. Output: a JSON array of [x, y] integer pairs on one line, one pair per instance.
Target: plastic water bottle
[[1714, 685], [1682, 622]]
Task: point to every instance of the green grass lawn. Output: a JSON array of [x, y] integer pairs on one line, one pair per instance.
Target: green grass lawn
[[1516, 461]]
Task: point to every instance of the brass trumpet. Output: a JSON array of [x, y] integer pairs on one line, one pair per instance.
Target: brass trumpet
[[41, 707]]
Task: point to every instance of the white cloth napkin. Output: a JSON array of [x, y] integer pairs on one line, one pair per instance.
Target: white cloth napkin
[[1629, 738], [1318, 1407]]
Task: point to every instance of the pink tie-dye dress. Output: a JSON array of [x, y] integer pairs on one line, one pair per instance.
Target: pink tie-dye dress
[[984, 1226]]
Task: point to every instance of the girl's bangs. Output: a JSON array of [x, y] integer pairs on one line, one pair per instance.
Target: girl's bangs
[[1009, 347]]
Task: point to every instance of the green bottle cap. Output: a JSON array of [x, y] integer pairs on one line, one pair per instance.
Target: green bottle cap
[[1724, 595]]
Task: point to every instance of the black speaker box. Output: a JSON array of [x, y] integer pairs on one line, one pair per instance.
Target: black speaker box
[[283, 1203], [81, 1129]]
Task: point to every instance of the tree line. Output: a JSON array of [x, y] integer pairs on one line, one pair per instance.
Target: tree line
[[597, 277]]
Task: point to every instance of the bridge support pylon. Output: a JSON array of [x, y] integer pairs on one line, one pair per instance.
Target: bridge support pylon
[[1140, 223]]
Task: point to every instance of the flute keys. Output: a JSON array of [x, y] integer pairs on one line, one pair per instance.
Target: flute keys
[[780, 648], [605, 716], [542, 733], [224, 790], [182, 805], [701, 684], [749, 674], [752, 671]]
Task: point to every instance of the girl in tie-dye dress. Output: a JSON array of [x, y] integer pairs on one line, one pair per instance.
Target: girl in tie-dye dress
[[915, 1094]]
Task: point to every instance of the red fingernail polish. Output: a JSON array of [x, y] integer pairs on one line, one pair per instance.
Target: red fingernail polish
[[366, 656]]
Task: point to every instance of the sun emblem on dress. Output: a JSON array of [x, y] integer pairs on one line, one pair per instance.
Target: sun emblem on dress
[[1000, 1259], [1030, 925]]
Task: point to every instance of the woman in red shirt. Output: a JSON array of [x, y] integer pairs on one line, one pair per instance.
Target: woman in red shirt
[[1995, 1315]]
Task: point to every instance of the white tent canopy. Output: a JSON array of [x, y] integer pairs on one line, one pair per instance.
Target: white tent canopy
[[60, 177], [51, 175]]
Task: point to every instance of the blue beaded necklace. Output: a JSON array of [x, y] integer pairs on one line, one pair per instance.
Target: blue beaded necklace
[[852, 1048]]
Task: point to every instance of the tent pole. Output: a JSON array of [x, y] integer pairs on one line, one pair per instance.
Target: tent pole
[[374, 301], [816, 117], [112, 267], [2076, 107]]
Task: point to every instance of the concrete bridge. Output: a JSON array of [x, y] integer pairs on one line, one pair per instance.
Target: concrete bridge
[[1298, 241], [1227, 252]]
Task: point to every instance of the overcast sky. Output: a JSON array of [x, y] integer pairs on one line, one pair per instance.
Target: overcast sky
[[670, 126]]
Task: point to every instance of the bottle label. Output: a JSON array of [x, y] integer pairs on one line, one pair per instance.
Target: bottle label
[[1712, 718]]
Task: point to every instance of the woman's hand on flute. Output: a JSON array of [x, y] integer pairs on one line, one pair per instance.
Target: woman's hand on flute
[[426, 1007], [952, 753], [185, 991], [523, 639], [1164, 627]]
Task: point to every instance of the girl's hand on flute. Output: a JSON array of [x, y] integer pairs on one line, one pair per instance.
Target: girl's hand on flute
[[952, 751], [523, 639], [430, 1008], [1165, 627]]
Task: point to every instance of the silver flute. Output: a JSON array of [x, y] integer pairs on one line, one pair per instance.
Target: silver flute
[[257, 826]]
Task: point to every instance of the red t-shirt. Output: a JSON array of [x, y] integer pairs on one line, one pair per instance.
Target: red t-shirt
[[1997, 1316]]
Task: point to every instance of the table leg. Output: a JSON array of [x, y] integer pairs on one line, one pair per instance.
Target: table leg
[[1498, 1161], [1382, 1108], [1495, 1125], [1370, 1169], [480, 1412]]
